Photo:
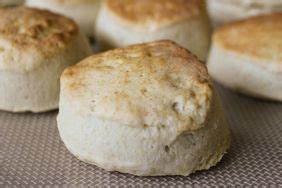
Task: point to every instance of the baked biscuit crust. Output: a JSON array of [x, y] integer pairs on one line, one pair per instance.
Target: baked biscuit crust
[[169, 76], [259, 38], [161, 12], [27, 28]]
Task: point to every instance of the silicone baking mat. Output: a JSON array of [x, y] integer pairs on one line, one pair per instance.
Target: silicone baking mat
[[31, 152]]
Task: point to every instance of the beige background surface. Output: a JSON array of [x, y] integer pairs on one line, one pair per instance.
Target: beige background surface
[[31, 152]]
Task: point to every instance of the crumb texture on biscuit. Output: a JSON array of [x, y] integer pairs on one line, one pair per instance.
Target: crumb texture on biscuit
[[258, 37], [142, 12], [158, 84], [25, 28]]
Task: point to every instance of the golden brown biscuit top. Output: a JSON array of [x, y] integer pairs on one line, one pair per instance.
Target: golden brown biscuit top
[[258, 37], [158, 11], [27, 28], [149, 85]]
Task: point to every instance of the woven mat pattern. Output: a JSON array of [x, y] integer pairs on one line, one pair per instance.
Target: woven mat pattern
[[31, 152]]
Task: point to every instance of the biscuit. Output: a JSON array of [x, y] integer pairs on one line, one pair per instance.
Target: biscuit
[[147, 110], [246, 56], [125, 22], [35, 47]]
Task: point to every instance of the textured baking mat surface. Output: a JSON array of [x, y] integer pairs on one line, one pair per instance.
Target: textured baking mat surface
[[31, 152]]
